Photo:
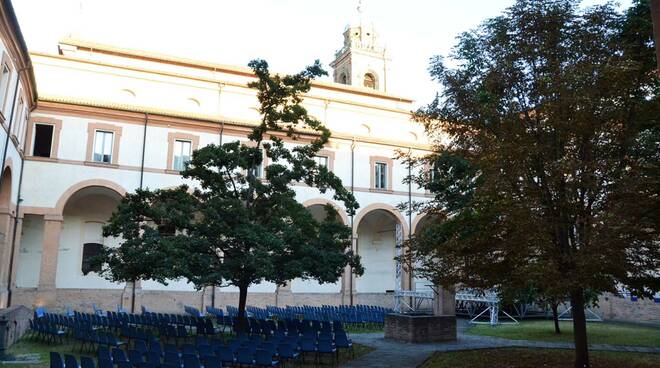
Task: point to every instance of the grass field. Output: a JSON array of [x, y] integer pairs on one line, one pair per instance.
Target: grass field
[[533, 358], [28, 346], [598, 332]]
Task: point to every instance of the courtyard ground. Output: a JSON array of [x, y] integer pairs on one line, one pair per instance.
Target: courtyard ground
[[533, 358], [598, 332], [488, 349]]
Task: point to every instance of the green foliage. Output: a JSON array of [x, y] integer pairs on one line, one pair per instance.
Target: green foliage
[[546, 162], [237, 227]]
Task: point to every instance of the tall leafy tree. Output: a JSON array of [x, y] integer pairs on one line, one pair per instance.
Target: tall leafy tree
[[145, 223], [546, 159], [242, 224]]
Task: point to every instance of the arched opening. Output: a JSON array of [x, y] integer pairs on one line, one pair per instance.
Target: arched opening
[[193, 103], [6, 224], [85, 213], [318, 210], [5, 189], [419, 224], [370, 81], [376, 245], [343, 79]]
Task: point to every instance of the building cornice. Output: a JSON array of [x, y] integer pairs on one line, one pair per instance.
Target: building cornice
[[211, 80], [198, 64], [11, 33]]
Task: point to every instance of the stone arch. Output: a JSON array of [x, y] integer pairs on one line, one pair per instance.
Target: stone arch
[[416, 221], [64, 198], [370, 80], [5, 189], [323, 202], [380, 206]]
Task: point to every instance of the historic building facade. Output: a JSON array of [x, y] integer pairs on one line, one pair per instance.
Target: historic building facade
[[111, 120], [17, 98]]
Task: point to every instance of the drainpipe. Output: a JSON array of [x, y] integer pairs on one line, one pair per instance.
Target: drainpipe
[[222, 132], [11, 122], [222, 122], [13, 236], [410, 209], [352, 215], [144, 147]]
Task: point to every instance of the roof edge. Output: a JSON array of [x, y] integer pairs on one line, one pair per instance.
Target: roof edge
[[200, 64]]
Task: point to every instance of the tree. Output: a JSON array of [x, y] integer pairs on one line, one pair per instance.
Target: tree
[[144, 221], [546, 159], [242, 224]]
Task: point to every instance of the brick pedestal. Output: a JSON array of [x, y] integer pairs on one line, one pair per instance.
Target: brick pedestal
[[420, 328]]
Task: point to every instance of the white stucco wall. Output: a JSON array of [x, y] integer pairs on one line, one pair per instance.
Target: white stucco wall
[[29, 251]]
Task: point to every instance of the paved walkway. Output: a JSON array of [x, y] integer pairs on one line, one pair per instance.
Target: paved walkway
[[403, 355]]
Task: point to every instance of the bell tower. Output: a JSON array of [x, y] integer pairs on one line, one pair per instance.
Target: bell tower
[[362, 61]]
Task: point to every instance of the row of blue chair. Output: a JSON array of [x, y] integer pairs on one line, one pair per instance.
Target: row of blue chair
[[47, 331]]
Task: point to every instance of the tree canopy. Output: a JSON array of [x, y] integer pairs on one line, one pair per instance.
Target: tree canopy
[[546, 157], [241, 224]]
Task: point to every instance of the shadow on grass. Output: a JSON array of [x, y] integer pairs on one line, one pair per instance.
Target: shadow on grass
[[598, 332], [533, 358]]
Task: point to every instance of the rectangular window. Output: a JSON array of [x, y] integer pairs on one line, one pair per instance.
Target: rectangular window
[[257, 171], [380, 175], [182, 151], [321, 160], [4, 85], [103, 142], [43, 140], [16, 123], [90, 250]]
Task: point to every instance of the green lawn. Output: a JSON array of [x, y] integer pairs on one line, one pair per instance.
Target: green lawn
[[26, 346], [597, 332], [533, 358]]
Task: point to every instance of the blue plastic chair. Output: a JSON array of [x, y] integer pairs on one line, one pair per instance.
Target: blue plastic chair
[[326, 346], [104, 354], [56, 360], [70, 361], [155, 346], [212, 361], [104, 363], [308, 346], [205, 350], [124, 365], [188, 349], [172, 358], [153, 358], [140, 345], [87, 362], [287, 352], [191, 361], [244, 357], [118, 356], [264, 358], [170, 348], [343, 342], [226, 355], [135, 357]]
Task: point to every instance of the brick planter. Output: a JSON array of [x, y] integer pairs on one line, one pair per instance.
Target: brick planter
[[420, 328]]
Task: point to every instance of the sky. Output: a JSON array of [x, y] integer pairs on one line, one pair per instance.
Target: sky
[[289, 34]]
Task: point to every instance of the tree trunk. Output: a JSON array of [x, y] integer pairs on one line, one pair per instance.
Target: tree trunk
[[579, 329], [555, 316], [133, 297], [242, 299]]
